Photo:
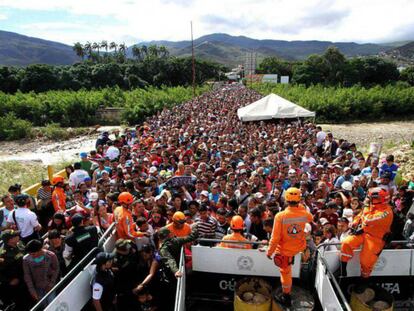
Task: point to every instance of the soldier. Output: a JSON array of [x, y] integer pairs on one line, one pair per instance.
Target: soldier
[[12, 286], [80, 242], [170, 250]]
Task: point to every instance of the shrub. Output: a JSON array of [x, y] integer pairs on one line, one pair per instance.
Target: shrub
[[12, 128], [337, 104]]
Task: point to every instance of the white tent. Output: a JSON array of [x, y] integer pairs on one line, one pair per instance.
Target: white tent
[[272, 107]]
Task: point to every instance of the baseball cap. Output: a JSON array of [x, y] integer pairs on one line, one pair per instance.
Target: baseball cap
[[103, 257], [77, 220], [83, 155], [152, 170], [204, 192], [8, 234], [291, 171]]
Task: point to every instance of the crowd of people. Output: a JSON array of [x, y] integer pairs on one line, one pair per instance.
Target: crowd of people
[[194, 171]]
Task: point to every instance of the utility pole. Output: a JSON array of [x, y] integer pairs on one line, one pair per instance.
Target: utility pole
[[193, 58]]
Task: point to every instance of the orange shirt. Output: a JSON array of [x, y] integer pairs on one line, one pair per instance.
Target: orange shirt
[[288, 237], [183, 232], [377, 220], [59, 199], [125, 227], [235, 236]]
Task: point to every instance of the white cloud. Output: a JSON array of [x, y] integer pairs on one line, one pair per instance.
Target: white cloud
[[3, 17], [335, 20]]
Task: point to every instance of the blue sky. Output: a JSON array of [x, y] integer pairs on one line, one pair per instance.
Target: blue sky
[[131, 21]]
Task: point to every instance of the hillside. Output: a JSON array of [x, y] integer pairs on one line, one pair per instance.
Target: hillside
[[403, 55], [231, 50], [19, 50]]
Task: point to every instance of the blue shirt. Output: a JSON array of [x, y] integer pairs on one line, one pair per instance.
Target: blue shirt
[[392, 169]]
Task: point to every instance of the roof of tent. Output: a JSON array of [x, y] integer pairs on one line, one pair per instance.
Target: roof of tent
[[272, 107]]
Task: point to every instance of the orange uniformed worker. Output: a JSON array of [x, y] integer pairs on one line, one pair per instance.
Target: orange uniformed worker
[[371, 228], [288, 239], [237, 225], [58, 194], [125, 226], [179, 227]]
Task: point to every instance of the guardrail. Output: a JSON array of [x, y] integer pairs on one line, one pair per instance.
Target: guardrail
[[67, 279], [328, 289], [180, 292], [231, 242]]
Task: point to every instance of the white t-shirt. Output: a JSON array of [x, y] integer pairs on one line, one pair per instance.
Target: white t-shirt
[[320, 137], [77, 177], [6, 214], [112, 152], [26, 221]]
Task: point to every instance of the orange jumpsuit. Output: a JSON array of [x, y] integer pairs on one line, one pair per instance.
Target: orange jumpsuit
[[235, 236], [59, 199], [183, 232], [288, 239], [125, 227], [376, 221]]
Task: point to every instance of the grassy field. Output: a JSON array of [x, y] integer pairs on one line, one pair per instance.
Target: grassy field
[[24, 173]]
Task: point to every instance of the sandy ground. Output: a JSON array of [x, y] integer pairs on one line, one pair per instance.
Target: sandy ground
[[390, 134], [47, 151]]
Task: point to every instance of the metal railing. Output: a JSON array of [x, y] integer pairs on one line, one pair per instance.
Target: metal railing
[[60, 286], [180, 292], [331, 277], [333, 280], [231, 242]]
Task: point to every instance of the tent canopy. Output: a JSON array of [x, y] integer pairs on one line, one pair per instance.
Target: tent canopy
[[272, 107]]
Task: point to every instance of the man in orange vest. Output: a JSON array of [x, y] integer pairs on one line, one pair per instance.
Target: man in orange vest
[[58, 194], [125, 226], [237, 225], [371, 230], [288, 239], [178, 227]]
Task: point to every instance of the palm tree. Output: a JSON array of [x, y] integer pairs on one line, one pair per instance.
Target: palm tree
[[88, 49], [113, 46], [136, 52], [144, 51], [78, 48], [104, 44], [153, 51], [163, 51], [96, 46], [123, 49]]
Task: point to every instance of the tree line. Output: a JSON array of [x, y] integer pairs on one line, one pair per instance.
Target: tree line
[[333, 69], [105, 65], [104, 51]]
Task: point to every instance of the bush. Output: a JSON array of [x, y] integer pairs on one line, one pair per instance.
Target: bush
[[336, 104], [12, 128], [55, 132]]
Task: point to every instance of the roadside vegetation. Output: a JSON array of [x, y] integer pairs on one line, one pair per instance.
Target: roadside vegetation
[[54, 109], [357, 103]]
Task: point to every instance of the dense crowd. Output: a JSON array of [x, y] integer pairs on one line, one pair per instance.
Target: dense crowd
[[182, 175]]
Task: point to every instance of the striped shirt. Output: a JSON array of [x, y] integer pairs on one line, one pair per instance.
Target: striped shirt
[[207, 229]]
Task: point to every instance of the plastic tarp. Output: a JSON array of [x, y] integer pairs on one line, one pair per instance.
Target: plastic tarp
[[272, 107]]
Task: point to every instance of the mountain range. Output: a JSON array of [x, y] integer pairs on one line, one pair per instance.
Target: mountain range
[[20, 50]]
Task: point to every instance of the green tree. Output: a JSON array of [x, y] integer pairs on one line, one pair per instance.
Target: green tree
[[136, 53], [78, 48], [39, 78], [275, 65], [313, 70], [335, 63], [407, 75]]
